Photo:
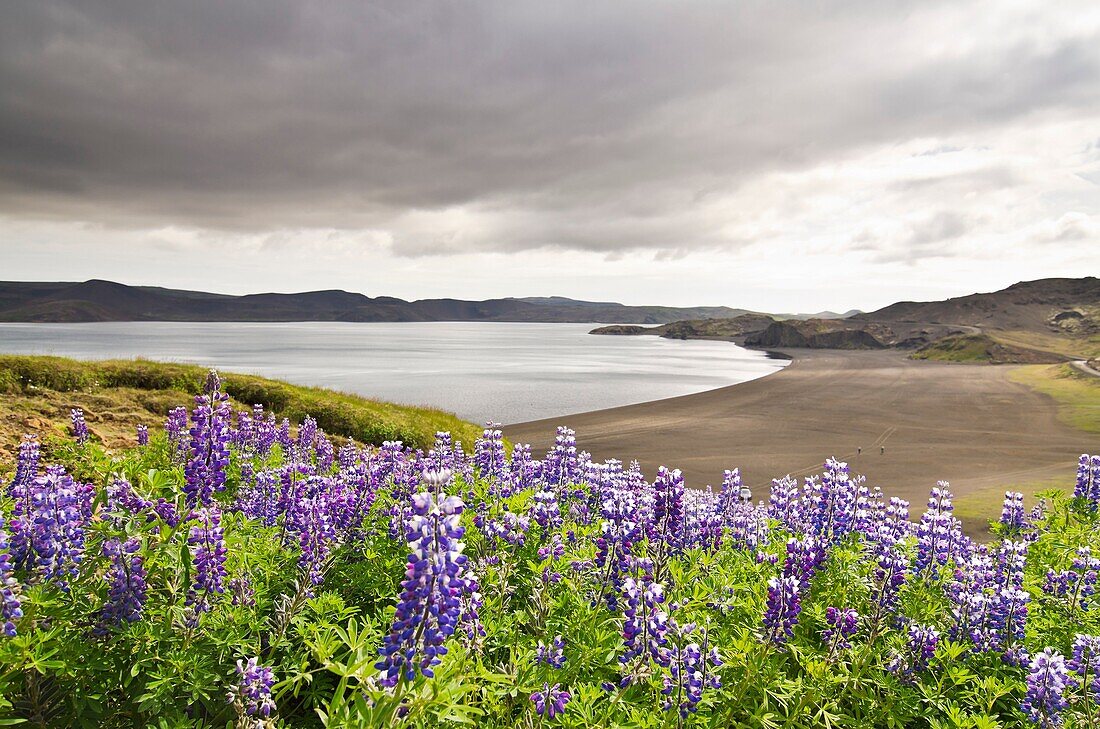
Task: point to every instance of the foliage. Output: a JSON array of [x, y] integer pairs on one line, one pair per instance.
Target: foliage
[[295, 584], [155, 387]]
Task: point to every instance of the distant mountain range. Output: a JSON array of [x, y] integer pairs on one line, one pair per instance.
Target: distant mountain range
[[97, 300]]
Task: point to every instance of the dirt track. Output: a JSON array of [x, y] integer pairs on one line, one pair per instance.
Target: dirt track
[[967, 424]]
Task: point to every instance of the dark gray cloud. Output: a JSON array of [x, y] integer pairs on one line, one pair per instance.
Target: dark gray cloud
[[458, 126]]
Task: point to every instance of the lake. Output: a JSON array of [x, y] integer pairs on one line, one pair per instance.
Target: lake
[[504, 372]]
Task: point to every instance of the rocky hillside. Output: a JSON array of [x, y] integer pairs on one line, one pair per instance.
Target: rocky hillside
[[1057, 305], [727, 328]]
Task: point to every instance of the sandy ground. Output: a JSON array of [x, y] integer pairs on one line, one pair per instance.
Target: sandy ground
[[967, 424]]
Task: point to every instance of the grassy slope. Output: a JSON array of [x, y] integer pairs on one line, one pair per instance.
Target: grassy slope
[[1078, 398], [1077, 394], [36, 394]]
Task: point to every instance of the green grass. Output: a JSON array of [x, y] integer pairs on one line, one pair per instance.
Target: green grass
[[1075, 347], [959, 348], [36, 393], [1077, 394]]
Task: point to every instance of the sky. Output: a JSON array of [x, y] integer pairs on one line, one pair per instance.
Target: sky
[[778, 156]]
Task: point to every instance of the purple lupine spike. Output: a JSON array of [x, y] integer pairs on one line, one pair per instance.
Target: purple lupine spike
[[522, 468], [784, 604], [326, 453], [307, 436], [430, 606], [210, 436], [208, 552], [26, 466], [667, 526], [1013, 516], [57, 535], [829, 512], [841, 626], [241, 592], [645, 624], [10, 605], [252, 693], [260, 498], [1085, 662], [920, 646], [176, 429], [310, 518], [143, 435], [619, 531], [938, 532], [1077, 585], [545, 510], [1047, 681], [551, 701], [691, 669], [783, 502], [1088, 479], [126, 589], [77, 426], [489, 455], [559, 468], [552, 655], [1008, 605]]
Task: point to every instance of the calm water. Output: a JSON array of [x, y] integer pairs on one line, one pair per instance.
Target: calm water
[[482, 371]]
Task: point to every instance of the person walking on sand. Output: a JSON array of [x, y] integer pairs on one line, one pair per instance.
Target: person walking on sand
[[882, 450], [859, 450]]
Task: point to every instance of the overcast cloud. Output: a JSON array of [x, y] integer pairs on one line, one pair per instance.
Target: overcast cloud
[[764, 154]]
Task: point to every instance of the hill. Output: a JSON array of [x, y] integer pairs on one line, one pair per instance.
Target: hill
[[1057, 305], [724, 328], [97, 300], [36, 394]]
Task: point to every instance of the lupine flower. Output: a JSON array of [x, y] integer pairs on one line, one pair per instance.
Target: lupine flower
[[143, 435], [1088, 479], [210, 436], [429, 607], [842, 625], [1085, 662], [489, 455], [252, 694], [545, 510], [260, 499], [10, 606], [126, 589], [668, 507], [241, 592], [783, 502], [552, 655], [1047, 681], [645, 624], [26, 466], [1078, 583], [1013, 516], [691, 668], [560, 465], [551, 701], [58, 513], [829, 503], [938, 531], [78, 426], [920, 646], [176, 429], [208, 554], [783, 607]]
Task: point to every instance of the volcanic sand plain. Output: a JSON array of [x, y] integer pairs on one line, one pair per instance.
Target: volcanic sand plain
[[903, 424]]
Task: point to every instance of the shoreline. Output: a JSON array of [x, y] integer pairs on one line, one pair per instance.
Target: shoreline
[[903, 424]]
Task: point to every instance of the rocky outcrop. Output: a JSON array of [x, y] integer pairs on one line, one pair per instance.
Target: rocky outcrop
[[816, 334]]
